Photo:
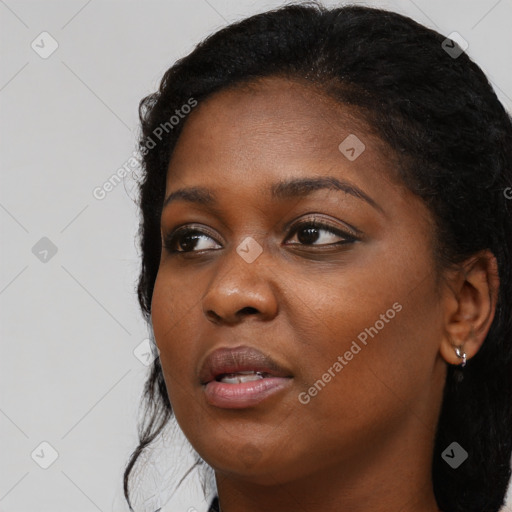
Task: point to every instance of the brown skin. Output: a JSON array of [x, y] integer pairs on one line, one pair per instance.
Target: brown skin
[[365, 441]]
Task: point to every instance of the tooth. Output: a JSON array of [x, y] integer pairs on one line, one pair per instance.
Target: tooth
[[230, 380], [239, 377]]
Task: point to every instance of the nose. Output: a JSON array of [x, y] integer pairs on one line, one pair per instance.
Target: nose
[[240, 289]]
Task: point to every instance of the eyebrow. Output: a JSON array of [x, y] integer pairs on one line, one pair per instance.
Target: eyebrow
[[286, 189]]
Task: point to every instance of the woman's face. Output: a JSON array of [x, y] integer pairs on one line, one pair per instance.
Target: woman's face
[[348, 311]]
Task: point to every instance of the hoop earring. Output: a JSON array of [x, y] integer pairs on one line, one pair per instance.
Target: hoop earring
[[461, 355]]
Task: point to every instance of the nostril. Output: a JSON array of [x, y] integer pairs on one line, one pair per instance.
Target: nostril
[[249, 310], [218, 319], [213, 316]]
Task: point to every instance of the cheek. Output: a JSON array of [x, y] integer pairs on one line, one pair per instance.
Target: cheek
[[370, 341], [173, 320], [171, 308]]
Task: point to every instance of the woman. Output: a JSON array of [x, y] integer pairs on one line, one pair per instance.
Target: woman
[[326, 244]]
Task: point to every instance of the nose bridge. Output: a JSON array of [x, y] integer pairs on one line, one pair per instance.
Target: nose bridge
[[241, 285]]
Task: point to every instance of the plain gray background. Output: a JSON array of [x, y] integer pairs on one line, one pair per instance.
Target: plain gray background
[[69, 318]]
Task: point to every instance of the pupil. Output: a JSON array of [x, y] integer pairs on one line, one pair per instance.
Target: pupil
[[188, 242], [311, 235]]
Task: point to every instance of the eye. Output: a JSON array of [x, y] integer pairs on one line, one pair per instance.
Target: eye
[[188, 239], [311, 232], [316, 233]]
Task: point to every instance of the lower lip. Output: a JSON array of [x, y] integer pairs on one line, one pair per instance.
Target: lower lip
[[244, 394]]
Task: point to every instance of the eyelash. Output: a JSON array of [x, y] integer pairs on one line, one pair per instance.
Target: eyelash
[[171, 239]]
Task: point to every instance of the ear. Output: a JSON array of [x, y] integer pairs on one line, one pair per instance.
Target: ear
[[470, 305]]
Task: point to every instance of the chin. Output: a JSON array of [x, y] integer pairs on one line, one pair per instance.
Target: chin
[[251, 465]]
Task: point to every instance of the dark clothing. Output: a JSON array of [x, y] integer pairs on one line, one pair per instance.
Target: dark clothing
[[214, 507]]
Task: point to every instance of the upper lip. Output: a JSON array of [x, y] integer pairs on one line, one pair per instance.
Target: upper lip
[[239, 359]]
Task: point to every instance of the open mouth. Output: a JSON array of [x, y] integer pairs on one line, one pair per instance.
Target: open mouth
[[241, 377]]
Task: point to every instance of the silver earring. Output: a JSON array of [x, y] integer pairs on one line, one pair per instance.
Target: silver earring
[[461, 354]]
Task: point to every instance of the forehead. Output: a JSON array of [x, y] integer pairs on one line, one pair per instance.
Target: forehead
[[275, 127]]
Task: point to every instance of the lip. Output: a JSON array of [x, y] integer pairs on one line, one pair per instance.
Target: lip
[[246, 394]]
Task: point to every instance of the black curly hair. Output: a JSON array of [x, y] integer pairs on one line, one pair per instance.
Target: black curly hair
[[453, 140]]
